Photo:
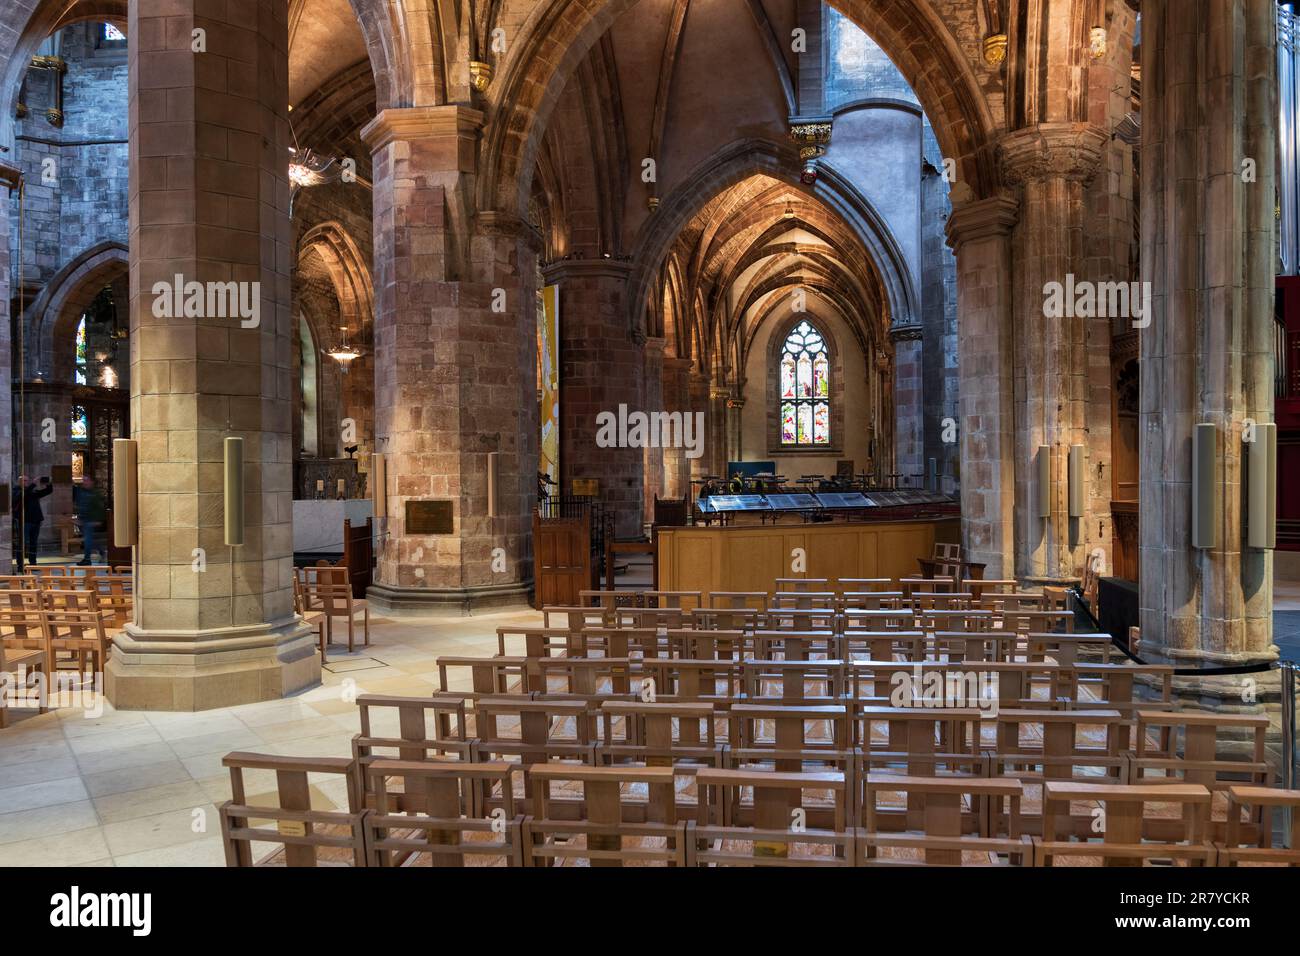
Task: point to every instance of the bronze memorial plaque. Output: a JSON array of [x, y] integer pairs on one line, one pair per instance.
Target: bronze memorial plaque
[[429, 517], [61, 474]]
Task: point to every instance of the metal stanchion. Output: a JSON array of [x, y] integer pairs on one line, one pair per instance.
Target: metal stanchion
[[1288, 746]]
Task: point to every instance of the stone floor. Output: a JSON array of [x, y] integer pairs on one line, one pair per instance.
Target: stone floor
[[142, 789]]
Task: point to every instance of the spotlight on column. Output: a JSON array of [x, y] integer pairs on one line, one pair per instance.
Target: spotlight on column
[[1205, 496], [126, 494], [493, 470], [1044, 481], [234, 491], [1076, 481], [1261, 503], [379, 484]]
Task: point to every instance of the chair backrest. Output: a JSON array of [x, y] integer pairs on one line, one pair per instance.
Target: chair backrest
[[755, 600], [421, 727], [1130, 835], [435, 809], [943, 819], [306, 836], [659, 734], [617, 825], [767, 821], [798, 585]]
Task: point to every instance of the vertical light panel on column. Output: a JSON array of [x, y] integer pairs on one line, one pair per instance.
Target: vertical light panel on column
[[1044, 481], [934, 474], [234, 491], [379, 484], [126, 493], [1261, 501], [493, 466], [1076, 481], [1205, 497]]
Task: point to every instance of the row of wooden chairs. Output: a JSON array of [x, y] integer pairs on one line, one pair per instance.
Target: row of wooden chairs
[[1050, 598], [834, 620], [452, 813]]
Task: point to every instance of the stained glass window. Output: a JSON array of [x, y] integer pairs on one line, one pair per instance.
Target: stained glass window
[[81, 352], [80, 424], [805, 388], [113, 34]]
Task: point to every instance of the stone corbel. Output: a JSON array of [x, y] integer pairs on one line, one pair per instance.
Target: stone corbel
[[812, 135]]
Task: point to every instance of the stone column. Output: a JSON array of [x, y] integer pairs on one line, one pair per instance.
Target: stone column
[[1208, 250], [455, 369], [698, 403], [715, 448], [980, 234], [9, 179], [1056, 404], [909, 404], [602, 367], [676, 391], [653, 458], [214, 625]]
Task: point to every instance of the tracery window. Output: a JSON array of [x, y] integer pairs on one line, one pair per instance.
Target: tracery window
[[805, 377]]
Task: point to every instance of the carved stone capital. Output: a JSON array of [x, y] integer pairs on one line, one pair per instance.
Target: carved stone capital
[[1070, 151], [455, 126]]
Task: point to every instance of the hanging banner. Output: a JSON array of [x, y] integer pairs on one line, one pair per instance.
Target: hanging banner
[[548, 384]]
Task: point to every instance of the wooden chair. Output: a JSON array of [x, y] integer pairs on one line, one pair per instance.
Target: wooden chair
[[846, 585], [1122, 818], [802, 738], [958, 822], [435, 817], [790, 819], [753, 600], [883, 645], [531, 732], [330, 590], [803, 601], [1037, 746], [1252, 808], [685, 601], [15, 665], [312, 618], [610, 824], [1157, 759], [22, 626], [75, 623], [488, 676], [592, 680], [114, 595], [307, 837], [659, 735], [919, 741], [703, 645], [797, 644], [796, 682], [726, 619], [799, 585], [679, 680], [425, 727], [870, 601]]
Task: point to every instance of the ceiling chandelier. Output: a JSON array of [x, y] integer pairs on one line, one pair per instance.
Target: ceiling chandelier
[[306, 169], [344, 353]]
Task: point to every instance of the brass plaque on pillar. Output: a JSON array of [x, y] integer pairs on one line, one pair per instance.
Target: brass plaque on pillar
[[61, 474], [590, 487], [429, 517]]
